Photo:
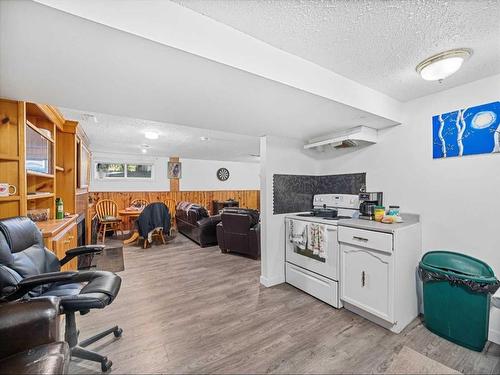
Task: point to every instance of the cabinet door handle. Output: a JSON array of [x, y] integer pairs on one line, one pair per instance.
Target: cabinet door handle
[[71, 238], [66, 242], [363, 279], [360, 238]]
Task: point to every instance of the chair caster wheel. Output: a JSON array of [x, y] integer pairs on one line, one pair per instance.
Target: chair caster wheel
[[118, 332], [106, 365]]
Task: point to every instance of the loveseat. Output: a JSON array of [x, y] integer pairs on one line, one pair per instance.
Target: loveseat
[[194, 222]]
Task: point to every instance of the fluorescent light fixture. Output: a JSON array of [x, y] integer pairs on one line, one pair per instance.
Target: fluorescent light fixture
[[150, 134], [443, 65], [204, 139]]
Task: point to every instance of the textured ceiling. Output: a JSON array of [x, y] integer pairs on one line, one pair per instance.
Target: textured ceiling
[[175, 140], [377, 43], [105, 70]]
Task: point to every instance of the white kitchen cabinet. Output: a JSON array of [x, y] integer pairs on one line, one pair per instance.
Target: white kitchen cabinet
[[378, 274], [368, 280]]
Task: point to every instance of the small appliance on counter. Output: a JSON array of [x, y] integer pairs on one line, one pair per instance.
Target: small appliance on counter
[[367, 204]]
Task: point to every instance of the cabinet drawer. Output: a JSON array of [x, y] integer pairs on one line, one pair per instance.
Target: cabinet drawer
[[63, 242], [320, 287], [366, 238], [367, 280]]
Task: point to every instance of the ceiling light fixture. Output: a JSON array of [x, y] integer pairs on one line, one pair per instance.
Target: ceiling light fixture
[[151, 134], [443, 65], [87, 117], [204, 139], [144, 148]]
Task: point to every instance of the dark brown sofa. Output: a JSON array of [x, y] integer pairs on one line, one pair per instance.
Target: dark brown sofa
[[29, 332], [193, 222], [239, 232]]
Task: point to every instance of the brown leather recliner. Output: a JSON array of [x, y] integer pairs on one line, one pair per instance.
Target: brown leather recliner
[[239, 232], [193, 222], [29, 332]]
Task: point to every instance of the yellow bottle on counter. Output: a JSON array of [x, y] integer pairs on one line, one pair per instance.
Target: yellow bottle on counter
[[379, 213]]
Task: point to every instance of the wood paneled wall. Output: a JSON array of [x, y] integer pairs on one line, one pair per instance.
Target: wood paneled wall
[[82, 201], [246, 198]]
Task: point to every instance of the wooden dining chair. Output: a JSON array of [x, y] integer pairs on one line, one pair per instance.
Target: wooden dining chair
[[139, 203], [158, 233], [171, 205], [107, 213]]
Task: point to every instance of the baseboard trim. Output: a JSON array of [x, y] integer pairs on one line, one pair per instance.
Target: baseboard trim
[[271, 281], [494, 336]]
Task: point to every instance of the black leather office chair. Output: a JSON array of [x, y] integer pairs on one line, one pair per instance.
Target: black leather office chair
[[29, 270]]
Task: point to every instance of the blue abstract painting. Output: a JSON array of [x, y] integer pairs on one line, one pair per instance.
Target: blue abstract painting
[[468, 131]]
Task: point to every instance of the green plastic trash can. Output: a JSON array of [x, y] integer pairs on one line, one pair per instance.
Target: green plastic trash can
[[456, 295]]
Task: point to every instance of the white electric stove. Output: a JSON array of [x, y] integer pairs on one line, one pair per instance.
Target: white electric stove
[[305, 268]]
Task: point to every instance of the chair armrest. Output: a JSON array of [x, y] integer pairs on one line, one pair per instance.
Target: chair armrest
[[29, 283], [220, 236], [87, 249], [27, 324], [209, 221], [255, 238]]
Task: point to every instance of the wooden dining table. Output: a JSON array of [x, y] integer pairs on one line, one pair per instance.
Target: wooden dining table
[[129, 216]]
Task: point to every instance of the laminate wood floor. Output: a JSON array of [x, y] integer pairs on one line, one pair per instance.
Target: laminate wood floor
[[185, 309]]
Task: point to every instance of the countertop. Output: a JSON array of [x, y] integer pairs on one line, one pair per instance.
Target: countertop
[[409, 220], [50, 228]]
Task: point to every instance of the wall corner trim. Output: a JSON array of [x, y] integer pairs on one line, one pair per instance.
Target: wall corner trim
[[493, 334], [271, 281]]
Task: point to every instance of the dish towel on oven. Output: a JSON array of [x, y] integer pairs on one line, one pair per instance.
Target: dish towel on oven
[[298, 233], [317, 240]]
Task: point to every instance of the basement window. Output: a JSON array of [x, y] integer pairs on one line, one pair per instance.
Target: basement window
[[123, 170], [139, 170]]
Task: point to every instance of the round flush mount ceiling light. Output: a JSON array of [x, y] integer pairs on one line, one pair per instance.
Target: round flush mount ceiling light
[[151, 134], [444, 64]]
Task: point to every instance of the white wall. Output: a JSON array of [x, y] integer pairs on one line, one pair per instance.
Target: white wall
[[278, 156], [196, 175], [202, 175], [457, 197], [159, 182]]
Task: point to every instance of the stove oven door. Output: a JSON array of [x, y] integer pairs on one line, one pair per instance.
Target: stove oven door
[[327, 266]]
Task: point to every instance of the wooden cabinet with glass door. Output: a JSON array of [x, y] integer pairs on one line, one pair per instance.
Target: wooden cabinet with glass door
[[40, 162]]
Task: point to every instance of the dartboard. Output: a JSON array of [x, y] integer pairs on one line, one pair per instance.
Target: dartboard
[[222, 174]]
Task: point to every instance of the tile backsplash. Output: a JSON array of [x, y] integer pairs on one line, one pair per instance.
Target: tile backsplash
[[294, 193]]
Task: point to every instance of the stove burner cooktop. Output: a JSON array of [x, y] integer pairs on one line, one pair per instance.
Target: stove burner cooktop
[[336, 218], [325, 217]]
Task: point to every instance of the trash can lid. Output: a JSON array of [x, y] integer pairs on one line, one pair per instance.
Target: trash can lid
[[461, 264]]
